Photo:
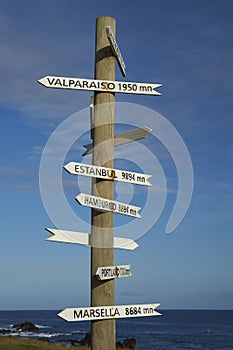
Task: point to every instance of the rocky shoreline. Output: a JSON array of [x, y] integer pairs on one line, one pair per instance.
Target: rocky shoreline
[[27, 326]]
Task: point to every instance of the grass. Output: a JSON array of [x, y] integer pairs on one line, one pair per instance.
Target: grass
[[12, 343]]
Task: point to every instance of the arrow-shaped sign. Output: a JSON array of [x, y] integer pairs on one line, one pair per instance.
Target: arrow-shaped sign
[[104, 204], [100, 85], [109, 272], [109, 312], [121, 139], [65, 236], [116, 50], [107, 173]]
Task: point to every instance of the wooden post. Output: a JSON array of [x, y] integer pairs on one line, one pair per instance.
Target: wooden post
[[102, 292]]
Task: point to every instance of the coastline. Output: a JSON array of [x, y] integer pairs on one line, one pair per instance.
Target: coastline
[[16, 343], [177, 329]]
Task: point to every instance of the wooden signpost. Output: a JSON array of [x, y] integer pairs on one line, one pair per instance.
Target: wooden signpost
[[103, 310], [103, 292]]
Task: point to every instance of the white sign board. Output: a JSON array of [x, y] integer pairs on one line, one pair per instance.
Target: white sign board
[[109, 312], [104, 204], [116, 49], [121, 139], [74, 237], [100, 85], [109, 272], [107, 173]]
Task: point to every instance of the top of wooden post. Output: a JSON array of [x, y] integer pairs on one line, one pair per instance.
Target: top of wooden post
[[103, 49]]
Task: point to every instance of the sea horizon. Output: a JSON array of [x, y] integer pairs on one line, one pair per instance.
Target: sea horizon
[[161, 309], [176, 329]]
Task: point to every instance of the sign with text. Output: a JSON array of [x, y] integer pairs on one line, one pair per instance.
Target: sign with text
[[104, 204], [74, 237], [116, 50], [109, 312], [109, 272], [99, 85], [107, 173]]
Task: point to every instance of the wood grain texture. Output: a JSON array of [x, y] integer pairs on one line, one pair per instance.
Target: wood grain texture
[[102, 292]]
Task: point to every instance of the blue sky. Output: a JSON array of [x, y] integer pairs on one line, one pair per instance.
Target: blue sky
[[186, 46]]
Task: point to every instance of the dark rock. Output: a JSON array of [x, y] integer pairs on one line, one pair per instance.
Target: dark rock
[[74, 343], [129, 343], [86, 340], [4, 331], [26, 327]]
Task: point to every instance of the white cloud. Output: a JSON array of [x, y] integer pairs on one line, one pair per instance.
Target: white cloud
[[26, 55]]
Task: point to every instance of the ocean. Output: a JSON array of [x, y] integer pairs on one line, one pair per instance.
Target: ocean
[[174, 330]]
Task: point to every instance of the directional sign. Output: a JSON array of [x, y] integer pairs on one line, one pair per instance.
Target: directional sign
[[100, 85], [74, 237], [116, 49], [104, 204], [109, 312], [109, 272], [107, 173], [126, 137]]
